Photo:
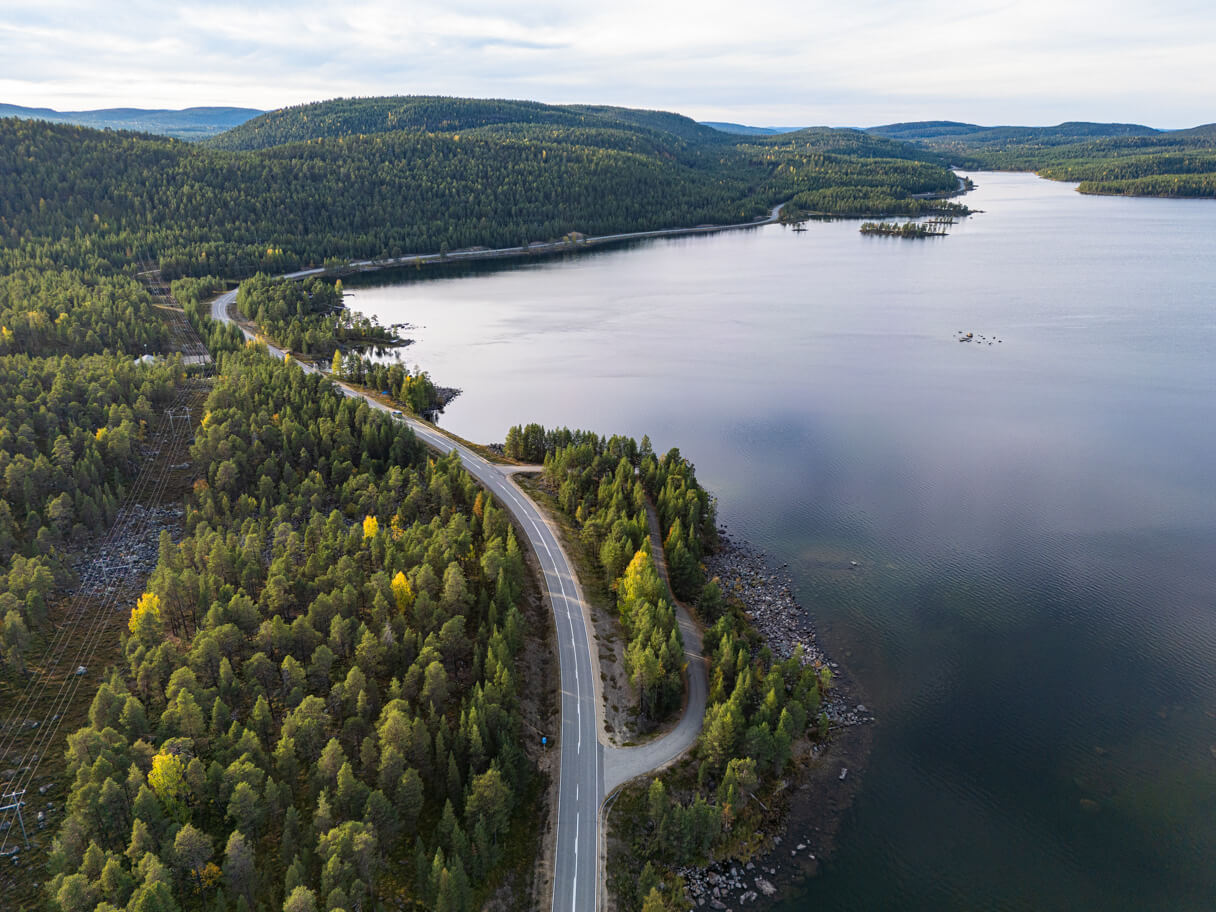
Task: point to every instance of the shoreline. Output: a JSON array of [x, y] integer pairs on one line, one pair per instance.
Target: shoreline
[[577, 242], [573, 242], [821, 786]]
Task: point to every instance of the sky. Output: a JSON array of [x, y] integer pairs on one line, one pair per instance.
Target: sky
[[766, 62]]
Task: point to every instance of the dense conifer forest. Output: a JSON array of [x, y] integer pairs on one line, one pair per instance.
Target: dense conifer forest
[[70, 437], [353, 179], [434, 114], [319, 703], [75, 407]]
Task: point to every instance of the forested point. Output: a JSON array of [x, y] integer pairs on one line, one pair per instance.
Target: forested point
[[318, 706], [603, 484], [413, 391], [760, 714], [308, 318]]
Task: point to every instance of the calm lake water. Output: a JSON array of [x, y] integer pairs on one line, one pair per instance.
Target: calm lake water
[[1034, 615]]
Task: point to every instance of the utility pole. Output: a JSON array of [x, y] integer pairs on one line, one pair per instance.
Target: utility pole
[[177, 415], [16, 805]]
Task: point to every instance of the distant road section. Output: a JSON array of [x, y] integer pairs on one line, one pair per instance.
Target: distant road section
[[546, 247]]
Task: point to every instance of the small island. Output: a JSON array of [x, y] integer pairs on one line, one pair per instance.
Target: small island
[[932, 228]]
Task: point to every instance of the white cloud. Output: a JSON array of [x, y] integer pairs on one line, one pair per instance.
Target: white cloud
[[781, 62]]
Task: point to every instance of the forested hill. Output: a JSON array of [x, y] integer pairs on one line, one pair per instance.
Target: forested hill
[[355, 116], [1128, 159], [95, 200], [924, 129]]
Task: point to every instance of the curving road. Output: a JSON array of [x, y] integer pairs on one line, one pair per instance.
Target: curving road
[[581, 785], [586, 766]]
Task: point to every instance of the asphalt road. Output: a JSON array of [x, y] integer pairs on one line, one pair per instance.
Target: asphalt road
[[581, 786]]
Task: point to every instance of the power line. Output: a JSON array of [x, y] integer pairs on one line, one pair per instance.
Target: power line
[[173, 432]]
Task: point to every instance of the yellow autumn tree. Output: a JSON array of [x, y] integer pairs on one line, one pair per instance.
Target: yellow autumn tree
[[403, 592], [145, 618], [640, 581], [210, 875], [168, 780], [371, 526]]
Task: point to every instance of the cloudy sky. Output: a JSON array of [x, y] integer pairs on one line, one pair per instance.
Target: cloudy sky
[[768, 62]]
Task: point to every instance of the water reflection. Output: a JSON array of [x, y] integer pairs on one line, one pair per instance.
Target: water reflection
[[1036, 518]]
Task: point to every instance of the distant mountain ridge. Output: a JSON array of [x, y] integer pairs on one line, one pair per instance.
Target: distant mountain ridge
[[743, 130], [973, 134], [187, 123], [1060, 134]]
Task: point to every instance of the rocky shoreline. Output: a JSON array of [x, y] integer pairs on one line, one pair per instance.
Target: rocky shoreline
[[767, 594], [822, 788]]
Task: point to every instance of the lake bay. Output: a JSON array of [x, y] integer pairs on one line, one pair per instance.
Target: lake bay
[[1033, 615]]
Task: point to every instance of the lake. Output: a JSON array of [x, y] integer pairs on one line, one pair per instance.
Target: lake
[[1033, 617]]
